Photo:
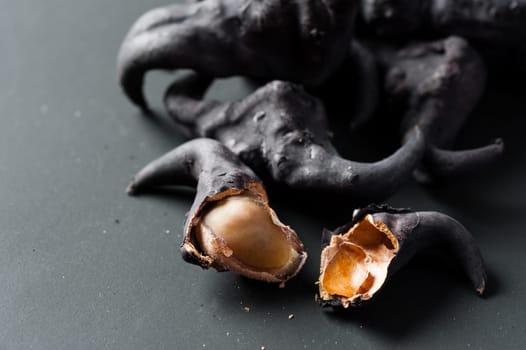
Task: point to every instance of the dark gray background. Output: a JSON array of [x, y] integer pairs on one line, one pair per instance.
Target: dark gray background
[[83, 266]]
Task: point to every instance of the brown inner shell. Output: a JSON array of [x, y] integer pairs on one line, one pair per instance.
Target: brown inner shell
[[354, 266], [244, 228]]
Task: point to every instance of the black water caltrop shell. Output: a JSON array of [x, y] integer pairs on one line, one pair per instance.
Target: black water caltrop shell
[[218, 175], [387, 238]]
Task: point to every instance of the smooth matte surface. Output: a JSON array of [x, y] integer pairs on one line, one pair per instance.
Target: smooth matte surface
[[83, 266]]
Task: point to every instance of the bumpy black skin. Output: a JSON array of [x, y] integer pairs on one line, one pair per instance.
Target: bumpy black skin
[[280, 131], [416, 231], [303, 41], [436, 85], [496, 26]]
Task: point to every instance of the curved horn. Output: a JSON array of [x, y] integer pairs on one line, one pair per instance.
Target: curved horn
[[187, 164], [440, 165], [167, 38], [381, 179], [360, 183], [437, 228]]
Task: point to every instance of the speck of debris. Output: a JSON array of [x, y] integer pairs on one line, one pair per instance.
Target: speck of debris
[[117, 221], [167, 232], [34, 250], [246, 308], [291, 316], [104, 232], [263, 348]]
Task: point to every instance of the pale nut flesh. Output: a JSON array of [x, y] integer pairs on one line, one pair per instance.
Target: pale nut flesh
[[355, 265], [242, 232]]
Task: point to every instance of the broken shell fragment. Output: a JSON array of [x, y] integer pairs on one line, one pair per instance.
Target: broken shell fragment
[[358, 258], [242, 233], [355, 264], [230, 226]]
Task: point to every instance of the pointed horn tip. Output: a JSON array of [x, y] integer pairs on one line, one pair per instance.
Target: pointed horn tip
[[481, 288], [136, 96], [132, 188], [131, 80], [145, 108]]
